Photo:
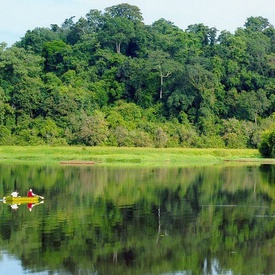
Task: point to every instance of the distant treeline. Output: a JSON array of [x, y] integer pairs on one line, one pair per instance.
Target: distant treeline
[[109, 79]]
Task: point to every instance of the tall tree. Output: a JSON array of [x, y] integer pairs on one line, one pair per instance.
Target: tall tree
[[130, 12], [117, 31], [35, 39], [161, 62], [121, 25], [206, 35], [54, 53], [22, 70], [257, 24]]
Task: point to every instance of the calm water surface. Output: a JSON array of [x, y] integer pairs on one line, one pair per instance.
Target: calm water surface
[[102, 220]]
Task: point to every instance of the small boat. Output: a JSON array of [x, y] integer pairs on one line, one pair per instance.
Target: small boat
[[20, 200]]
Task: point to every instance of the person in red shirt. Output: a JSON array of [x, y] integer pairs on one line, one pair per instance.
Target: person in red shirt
[[30, 193], [30, 206]]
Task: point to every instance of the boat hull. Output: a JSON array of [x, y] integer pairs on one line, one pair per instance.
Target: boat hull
[[20, 200]]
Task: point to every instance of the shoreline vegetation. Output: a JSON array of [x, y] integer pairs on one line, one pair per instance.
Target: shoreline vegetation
[[110, 79], [75, 155]]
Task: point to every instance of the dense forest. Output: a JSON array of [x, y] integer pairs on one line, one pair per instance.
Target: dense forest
[[110, 79]]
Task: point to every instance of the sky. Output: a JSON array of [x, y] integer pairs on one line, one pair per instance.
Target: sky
[[19, 16]]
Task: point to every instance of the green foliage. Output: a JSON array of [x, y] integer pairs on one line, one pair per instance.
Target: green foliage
[[130, 12], [159, 85], [34, 39], [161, 138], [267, 144], [235, 133], [5, 136], [93, 129], [256, 24], [110, 209], [54, 53]]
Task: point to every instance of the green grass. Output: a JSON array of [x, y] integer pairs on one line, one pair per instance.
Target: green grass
[[125, 156]]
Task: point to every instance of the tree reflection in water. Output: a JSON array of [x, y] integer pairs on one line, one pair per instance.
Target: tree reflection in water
[[106, 220]]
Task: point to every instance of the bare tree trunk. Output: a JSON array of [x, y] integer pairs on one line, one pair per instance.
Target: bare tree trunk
[[118, 46], [159, 228], [162, 76], [161, 85]]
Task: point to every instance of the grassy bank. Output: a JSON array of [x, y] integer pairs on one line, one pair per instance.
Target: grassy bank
[[113, 155]]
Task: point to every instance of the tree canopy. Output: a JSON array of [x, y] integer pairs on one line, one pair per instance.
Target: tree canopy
[[190, 86]]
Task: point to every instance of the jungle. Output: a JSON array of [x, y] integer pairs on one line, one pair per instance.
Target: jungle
[[108, 79]]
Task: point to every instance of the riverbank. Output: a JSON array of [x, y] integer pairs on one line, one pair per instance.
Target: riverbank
[[125, 156]]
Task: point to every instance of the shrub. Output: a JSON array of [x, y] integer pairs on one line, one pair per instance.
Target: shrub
[[211, 142], [161, 138], [141, 139], [267, 144], [120, 137], [5, 136]]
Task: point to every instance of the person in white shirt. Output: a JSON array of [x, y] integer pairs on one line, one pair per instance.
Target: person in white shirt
[[14, 194], [14, 206]]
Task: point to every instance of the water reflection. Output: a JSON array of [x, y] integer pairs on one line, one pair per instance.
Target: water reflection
[[29, 205], [200, 220]]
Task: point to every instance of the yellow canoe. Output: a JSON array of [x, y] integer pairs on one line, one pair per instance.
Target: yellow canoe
[[20, 200]]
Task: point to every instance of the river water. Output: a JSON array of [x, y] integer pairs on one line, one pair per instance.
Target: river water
[[116, 220]]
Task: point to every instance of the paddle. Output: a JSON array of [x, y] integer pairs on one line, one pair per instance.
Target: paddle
[[40, 197]]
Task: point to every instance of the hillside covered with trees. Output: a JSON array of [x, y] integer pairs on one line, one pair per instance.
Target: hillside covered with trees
[[110, 79]]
